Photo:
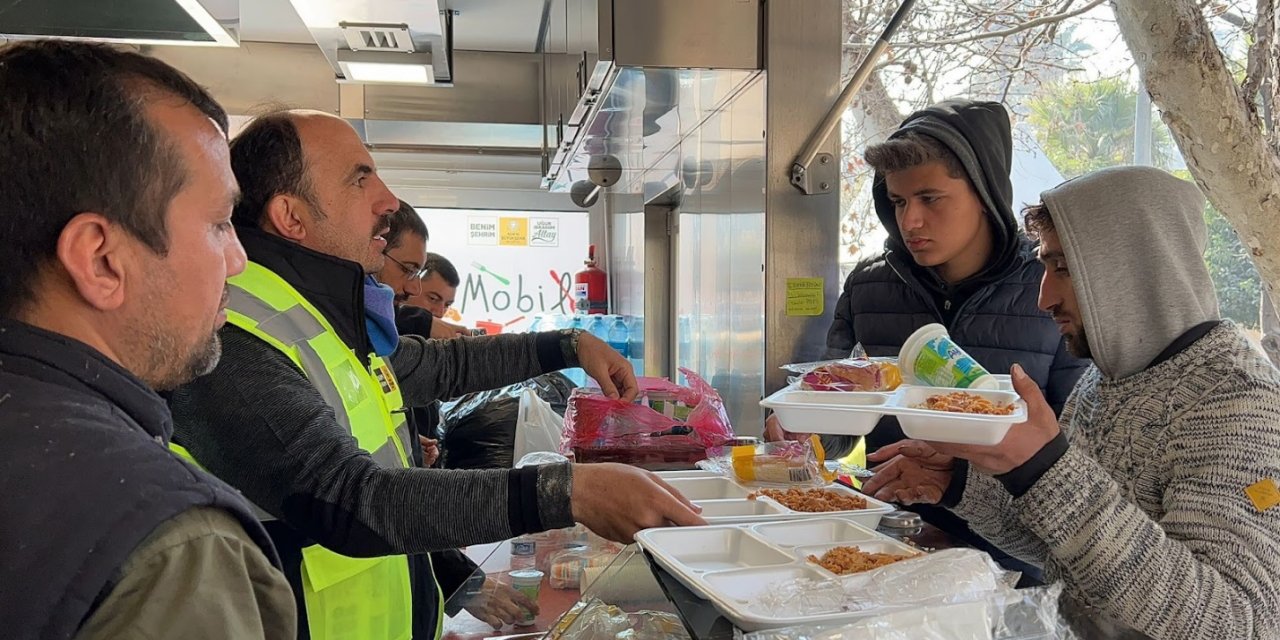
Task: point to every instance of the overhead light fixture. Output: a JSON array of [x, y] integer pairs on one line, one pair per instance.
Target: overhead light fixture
[[211, 25], [215, 24], [386, 67]]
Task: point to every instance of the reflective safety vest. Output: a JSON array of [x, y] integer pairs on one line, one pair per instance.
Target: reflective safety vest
[[345, 598]]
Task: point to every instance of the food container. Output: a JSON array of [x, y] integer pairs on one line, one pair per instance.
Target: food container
[[930, 357], [858, 413], [724, 500], [733, 565], [850, 413], [960, 428]]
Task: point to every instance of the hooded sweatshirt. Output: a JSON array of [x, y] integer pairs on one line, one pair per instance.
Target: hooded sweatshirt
[[978, 133], [1108, 219], [993, 314], [1145, 514]]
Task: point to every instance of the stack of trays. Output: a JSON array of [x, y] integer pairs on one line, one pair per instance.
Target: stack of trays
[[856, 413], [733, 565], [724, 501]]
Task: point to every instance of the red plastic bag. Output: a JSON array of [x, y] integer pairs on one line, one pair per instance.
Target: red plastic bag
[[598, 429]]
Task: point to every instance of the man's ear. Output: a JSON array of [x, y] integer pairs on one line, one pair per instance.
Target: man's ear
[[285, 218], [97, 257]]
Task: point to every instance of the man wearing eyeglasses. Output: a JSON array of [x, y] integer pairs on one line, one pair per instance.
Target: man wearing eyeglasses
[[438, 286], [404, 271]]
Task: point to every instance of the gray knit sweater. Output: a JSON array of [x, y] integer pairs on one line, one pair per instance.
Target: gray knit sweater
[[1145, 517]]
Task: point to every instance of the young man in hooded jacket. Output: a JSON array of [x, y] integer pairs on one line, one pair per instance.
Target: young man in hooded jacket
[[954, 256], [1153, 498]]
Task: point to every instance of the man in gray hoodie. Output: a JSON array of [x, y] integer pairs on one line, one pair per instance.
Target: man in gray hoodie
[[1154, 497]]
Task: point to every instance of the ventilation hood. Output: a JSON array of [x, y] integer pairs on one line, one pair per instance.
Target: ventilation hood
[[649, 72], [210, 23], [413, 34]]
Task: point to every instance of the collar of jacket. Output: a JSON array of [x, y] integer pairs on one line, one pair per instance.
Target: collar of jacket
[[53, 358], [928, 281], [333, 285]]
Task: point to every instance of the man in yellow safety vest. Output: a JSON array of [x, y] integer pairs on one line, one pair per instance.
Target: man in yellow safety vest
[[304, 414]]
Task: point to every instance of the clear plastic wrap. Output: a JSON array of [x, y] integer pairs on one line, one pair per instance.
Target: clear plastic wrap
[[1027, 614], [793, 463], [957, 594], [595, 620]]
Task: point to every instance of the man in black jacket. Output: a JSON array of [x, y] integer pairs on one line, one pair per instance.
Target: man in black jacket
[[955, 256], [115, 203], [276, 424]]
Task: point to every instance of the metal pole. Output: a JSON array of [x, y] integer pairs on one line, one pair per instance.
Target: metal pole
[[809, 152], [1142, 128]]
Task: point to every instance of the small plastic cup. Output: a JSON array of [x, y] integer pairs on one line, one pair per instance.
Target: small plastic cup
[[932, 359], [528, 582]]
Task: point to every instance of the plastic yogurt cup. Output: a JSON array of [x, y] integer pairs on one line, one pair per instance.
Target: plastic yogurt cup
[[931, 358], [528, 582]]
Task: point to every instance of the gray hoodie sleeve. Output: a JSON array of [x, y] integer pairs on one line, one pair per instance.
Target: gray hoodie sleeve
[[988, 508], [1209, 566], [257, 423], [431, 370]]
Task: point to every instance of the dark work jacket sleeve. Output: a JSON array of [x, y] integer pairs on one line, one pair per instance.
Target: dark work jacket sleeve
[[257, 423], [431, 370], [452, 568]]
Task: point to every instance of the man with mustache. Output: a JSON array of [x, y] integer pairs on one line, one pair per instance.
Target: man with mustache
[[116, 194], [1154, 497], [305, 413]]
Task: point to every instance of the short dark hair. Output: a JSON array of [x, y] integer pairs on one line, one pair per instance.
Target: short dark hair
[[268, 161], [75, 138], [911, 150], [437, 263], [405, 218], [1037, 220]]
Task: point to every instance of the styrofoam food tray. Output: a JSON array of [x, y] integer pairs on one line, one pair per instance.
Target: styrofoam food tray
[[724, 501], [732, 565], [856, 413]]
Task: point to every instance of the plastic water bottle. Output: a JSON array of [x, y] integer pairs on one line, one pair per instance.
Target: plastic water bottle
[[577, 375], [684, 343], [618, 338], [635, 346], [598, 327]]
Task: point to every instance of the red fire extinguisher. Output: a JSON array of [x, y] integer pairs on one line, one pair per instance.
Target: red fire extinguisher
[[591, 286]]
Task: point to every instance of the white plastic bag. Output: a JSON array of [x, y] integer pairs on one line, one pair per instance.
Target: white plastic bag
[[538, 426]]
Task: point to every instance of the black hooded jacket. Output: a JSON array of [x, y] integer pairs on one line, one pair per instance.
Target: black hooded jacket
[[993, 315]]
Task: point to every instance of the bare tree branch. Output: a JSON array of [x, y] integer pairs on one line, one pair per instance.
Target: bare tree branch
[[1260, 63], [1025, 26]]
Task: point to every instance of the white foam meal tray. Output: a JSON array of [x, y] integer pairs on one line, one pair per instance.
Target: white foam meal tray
[[725, 501], [733, 565], [856, 414]]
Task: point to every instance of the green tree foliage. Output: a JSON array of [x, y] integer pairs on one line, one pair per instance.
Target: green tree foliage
[[1083, 127]]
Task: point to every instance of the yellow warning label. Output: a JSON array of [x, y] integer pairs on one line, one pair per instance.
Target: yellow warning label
[[1264, 494]]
